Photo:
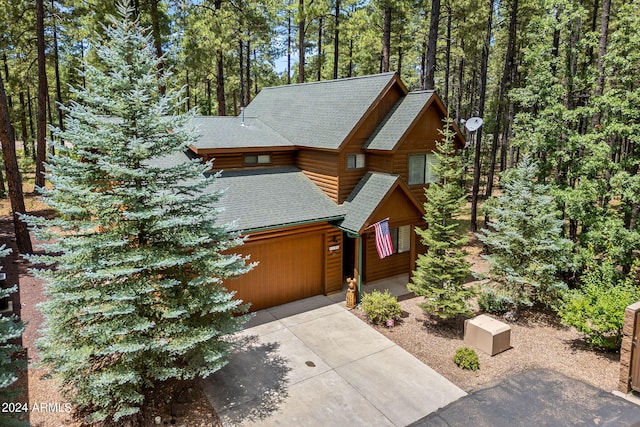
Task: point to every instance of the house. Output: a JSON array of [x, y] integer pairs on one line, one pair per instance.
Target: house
[[309, 168]]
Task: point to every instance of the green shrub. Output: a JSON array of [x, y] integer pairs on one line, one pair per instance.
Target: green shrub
[[596, 309], [467, 358], [380, 306], [491, 301]]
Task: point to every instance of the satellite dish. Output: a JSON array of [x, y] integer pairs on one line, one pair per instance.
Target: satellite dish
[[473, 124]]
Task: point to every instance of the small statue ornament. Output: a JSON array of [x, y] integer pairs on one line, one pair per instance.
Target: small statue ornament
[[351, 292]]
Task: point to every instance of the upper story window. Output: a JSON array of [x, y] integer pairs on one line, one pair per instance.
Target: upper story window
[[260, 159], [421, 169], [355, 161]]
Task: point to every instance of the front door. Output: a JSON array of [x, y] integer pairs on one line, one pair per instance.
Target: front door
[[348, 256]]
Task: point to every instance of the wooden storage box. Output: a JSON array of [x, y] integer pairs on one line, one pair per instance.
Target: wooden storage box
[[487, 334]]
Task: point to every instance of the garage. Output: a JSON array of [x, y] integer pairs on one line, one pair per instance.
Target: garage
[[291, 267]]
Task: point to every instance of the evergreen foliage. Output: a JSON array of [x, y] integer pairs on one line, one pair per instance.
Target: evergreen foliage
[[441, 271], [584, 135], [10, 328], [524, 238], [597, 308], [135, 270], [491, 301]]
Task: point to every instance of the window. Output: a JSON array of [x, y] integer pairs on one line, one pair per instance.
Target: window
[[260, 159], [355, 161], [421, 169], [401, 239]]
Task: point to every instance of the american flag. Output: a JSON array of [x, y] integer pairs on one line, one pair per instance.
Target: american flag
[[383, 239]]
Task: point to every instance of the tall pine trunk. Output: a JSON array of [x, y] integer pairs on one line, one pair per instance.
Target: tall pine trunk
[[319, 71], [503, 89], [23, 124], [594, 26], [350, 71], [386, 39], [247, 95], [336, 40], [220, 96], [41, 144], [400, 55], [301, 38], [429, 83], [6, 77], [598, 90], [14, 182], [57, 71], [241, 74], [483, 90], [208, 90], [222, 106], [50, 119], [289, 43], [460, 89], [31, 128], [423, 65], [188, 89], [157, 40], [447, 63]]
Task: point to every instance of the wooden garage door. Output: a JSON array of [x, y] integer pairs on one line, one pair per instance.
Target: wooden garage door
[[290, 268]]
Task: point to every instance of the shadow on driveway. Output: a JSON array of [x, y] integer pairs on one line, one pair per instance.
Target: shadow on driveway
[[253, 384], [538, 397]]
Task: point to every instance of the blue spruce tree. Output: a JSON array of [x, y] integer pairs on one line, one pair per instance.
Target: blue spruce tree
[[137, 259], [524, 239]]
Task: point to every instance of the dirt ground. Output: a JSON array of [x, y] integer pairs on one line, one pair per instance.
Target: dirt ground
[[538, 340]]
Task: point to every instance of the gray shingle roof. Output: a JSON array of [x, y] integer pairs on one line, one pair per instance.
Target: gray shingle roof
[[265, 197], [319, 114], [228, 132], [365, 198], [401, 116], [260, 198]]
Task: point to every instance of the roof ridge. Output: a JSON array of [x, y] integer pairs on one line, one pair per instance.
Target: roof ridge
[[389, 73], [384, 173], [418, 92]]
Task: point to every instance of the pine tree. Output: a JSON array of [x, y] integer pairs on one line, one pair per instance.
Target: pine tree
[[524, 239], [10, 328], [441, 271], [136, 296]]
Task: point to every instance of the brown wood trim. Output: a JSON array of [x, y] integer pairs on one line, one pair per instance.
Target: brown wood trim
[[288, 231], [242, 150], [395, 221], [393, 82], [433, 100]]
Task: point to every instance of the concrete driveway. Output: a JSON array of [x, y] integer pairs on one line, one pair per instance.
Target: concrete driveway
[[312, 363]]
